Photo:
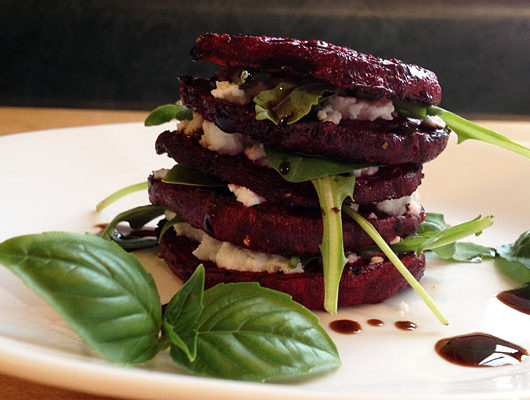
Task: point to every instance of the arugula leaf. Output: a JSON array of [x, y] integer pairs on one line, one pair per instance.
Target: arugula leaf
[[288, 102], [385, 248], [136, 217], [468, 130], [248, 332], [434, 222], [182, 314], [296, 167], [465, 252], [332, 191], [176, 219], [514, 259], [410, 109], [100, 290], [168, 112], [426, 239], [137, 187], [182, 175]]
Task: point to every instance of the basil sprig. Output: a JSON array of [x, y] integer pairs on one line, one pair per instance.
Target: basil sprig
[[514, 259], [168, 112], [246, 332], [288, 102], [235, 331]]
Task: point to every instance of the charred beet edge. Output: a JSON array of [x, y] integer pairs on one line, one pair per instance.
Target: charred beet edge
[[267, 227], [390, 182], [384, 142], [319, 60], [361, 282]]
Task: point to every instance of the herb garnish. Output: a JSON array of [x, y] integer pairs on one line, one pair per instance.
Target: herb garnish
[[235, 331]]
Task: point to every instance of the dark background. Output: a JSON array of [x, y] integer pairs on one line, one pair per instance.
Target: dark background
[[126, 54]]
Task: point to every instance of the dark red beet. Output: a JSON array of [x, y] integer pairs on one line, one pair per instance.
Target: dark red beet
[[390, 182], [359, 284], [267, 227], [383, 142], [314, 59]]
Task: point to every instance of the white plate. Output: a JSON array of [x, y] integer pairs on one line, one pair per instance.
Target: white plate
[[51, 180]]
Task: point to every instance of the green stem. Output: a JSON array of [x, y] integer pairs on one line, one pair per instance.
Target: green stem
[[121, 193], [385, 248]]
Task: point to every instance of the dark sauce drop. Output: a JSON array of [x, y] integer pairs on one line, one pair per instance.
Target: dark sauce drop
[[405, 325], [480, 350], [375, 322], [207, 224], [518, 299], [227, 125], [285, 167], [345, 326]]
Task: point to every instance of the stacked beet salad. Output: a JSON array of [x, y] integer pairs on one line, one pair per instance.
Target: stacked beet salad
[[262, 127]]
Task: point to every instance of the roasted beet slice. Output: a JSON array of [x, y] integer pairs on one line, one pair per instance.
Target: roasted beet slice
[[398, 141], [361, 282], [390, 182], [267, 227], [315, 59]]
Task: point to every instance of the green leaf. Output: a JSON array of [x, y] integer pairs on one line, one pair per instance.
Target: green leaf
[[182, 175], [468, 130], [296, 167], [394, 259], [182, 314], [430, 240], [464, 252], [101, 291], [247, 332], [168, 112], [410, 109], [514, 259], [434, 222], [332, 191], [137, 187], [288, 102], [176, 219], [136, 217]]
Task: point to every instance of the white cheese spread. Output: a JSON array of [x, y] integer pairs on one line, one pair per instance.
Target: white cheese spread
[[340, 107], [403, 205], [228, 256], [230, 92], [245, 195]]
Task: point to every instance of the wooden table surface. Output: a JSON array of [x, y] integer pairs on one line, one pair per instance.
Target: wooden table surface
[[18, 119]]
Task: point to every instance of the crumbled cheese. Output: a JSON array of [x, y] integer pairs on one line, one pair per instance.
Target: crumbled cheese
[[230, 92], [228, 256], [189, 127], [365, 171], [160, 174], [245, 195], [376, 260], [403, 205], [403, 307], [353, 257], [396, 240], [339, 107], [215, 139], [434, 121], [256, 154]]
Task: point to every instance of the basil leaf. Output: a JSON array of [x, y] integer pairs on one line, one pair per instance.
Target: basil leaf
[[182, 314], [101, 291], [288, 102], [468, 130], [121, 193], [182, 175], [332, 191], [394, 259], [465, 252], [136, 217], [514, 259], [168, 112], [296, 167], [247, 332]]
